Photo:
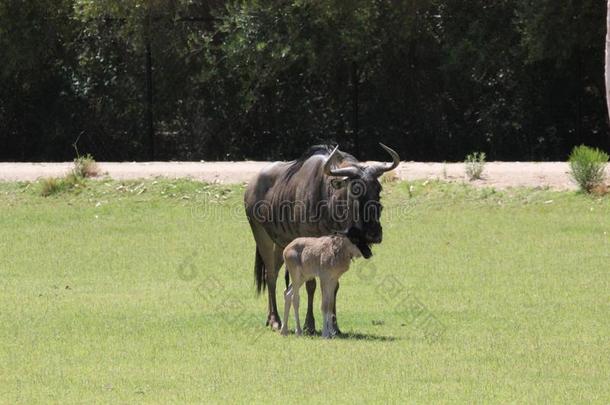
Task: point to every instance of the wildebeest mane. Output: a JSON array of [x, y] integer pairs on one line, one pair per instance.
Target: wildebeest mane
[[296, 165]]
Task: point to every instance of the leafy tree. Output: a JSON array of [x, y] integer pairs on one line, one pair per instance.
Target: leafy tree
[[36, 99], [234, 79]]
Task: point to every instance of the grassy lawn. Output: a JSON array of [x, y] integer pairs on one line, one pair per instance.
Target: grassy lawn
[[143, 292]]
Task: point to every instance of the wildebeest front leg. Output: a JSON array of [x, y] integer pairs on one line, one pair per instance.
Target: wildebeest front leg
[[310, 323], [328, 293]]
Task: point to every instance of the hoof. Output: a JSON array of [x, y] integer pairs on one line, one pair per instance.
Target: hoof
[[284, 331], [335, 331], [274, 322], [298, 332], [329, 335], [310, 327]]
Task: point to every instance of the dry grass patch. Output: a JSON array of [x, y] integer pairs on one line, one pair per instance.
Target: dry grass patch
[[86, 166]]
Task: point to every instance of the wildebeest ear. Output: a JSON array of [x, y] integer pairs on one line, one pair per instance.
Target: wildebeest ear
[[339, 183]]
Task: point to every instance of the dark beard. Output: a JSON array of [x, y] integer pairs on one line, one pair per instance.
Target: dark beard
[[355, 236], [365, 250]]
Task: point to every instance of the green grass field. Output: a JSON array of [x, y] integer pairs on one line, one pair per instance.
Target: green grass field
[[143, 292]]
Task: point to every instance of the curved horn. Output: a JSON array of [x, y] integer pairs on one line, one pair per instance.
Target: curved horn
[[350, 172], [378, 169]]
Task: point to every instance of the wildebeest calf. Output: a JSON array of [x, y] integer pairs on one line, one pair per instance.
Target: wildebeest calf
[[327, 258]]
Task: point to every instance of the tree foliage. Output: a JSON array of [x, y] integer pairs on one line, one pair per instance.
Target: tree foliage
[[264, 79]]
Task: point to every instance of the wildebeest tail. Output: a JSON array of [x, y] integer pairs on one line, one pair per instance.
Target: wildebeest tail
[[259, 273]]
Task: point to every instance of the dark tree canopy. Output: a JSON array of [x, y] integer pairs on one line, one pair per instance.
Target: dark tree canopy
[[265, 79]]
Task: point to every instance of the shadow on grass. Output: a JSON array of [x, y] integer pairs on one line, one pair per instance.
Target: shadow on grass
[[356, 336], [365, 336]]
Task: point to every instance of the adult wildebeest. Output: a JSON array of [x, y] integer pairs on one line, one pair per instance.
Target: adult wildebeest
[[322, 192]]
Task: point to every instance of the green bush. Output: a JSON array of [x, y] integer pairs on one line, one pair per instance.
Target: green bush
[[588, 167], [475, 163]]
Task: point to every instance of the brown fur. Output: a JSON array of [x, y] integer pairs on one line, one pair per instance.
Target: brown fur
[[327, 258]]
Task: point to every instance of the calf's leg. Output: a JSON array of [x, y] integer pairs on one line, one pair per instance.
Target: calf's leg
[[288, 292], [295, 303]]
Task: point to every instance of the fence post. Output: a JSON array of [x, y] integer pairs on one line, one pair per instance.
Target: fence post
[[148, 78], [354, 77], [149, 101]]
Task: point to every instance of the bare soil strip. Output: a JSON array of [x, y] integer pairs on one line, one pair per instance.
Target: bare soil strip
[[501, 175]]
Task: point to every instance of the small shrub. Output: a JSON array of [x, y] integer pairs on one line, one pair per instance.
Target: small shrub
[[85, 166], [475, 163], [587, 167]]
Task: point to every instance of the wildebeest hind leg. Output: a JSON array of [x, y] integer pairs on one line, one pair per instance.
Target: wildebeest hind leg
[[310, 323], [272, 258], [273, 317]]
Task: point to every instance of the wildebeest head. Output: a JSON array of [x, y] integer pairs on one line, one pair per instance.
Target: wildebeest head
[[360, 184]]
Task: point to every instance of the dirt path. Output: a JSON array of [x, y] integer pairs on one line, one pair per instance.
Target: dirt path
[[497, 174]]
